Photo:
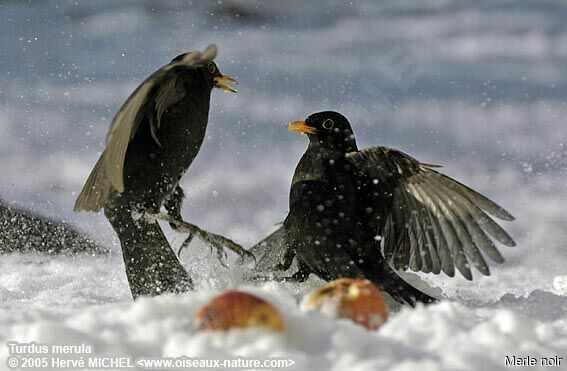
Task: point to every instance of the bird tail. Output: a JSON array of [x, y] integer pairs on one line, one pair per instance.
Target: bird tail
[[271, 251], [400, 290], [96, 189], [152, 268], [403, 292]]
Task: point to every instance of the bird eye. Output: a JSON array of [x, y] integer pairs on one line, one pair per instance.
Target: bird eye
[[212, 68], [328, 124]]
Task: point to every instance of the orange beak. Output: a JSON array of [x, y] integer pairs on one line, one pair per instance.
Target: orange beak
[[300, 127], [222, 82]]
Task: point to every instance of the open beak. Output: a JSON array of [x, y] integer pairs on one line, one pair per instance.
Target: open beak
[[300, 127], [222, 82]]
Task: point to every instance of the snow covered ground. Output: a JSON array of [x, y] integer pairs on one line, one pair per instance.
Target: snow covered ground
[[479, 87]]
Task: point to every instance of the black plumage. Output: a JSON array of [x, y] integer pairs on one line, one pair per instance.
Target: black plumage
[[364, 213], [152, 141]]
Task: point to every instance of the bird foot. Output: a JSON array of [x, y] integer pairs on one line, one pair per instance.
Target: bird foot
[[185, 243], [213, 240]]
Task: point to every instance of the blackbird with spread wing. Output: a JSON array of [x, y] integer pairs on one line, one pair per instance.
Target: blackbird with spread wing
[[365, 213]]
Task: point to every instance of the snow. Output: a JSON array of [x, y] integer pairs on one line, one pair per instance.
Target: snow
[[560, 284], [478, 87]]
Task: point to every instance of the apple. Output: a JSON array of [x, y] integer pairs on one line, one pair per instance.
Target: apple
[[237, 309], [358, 300]]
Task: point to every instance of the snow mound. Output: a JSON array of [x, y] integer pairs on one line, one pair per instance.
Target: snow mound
[[560, 284], [447, 335]]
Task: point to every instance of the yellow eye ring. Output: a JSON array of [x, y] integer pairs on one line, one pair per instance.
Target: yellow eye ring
[[212, 68], [328, 124]]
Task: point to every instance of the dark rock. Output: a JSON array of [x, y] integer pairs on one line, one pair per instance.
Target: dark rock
[[25, 231]]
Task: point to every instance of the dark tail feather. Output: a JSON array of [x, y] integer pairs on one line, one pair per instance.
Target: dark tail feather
[[152, 267], [272, 252], [399, 289], [403, 292]]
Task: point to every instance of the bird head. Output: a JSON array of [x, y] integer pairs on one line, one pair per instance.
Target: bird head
[[208, 68], [220, 81], [330, 129]]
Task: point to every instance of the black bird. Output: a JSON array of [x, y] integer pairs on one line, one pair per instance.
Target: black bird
[[364, 213], [152, 140]]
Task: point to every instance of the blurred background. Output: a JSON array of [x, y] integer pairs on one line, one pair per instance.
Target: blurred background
[[478, 87]]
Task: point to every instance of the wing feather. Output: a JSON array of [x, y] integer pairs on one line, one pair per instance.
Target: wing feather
[[95, 191], [465, 212], [414, 232], [108, 173], [424, 228], [451, 210], [435, 222], [124, 126], [420, 229], [481, 201], [441, 246]]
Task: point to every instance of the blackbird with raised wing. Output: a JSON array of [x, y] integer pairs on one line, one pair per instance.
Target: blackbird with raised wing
[[367, 213], [152, 141]]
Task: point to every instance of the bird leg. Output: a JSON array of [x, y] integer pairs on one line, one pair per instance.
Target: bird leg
[[173, 204], [213, 240]]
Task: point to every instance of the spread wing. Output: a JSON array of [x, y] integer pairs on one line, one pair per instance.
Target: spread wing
[[108, 171], [435, 223]]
